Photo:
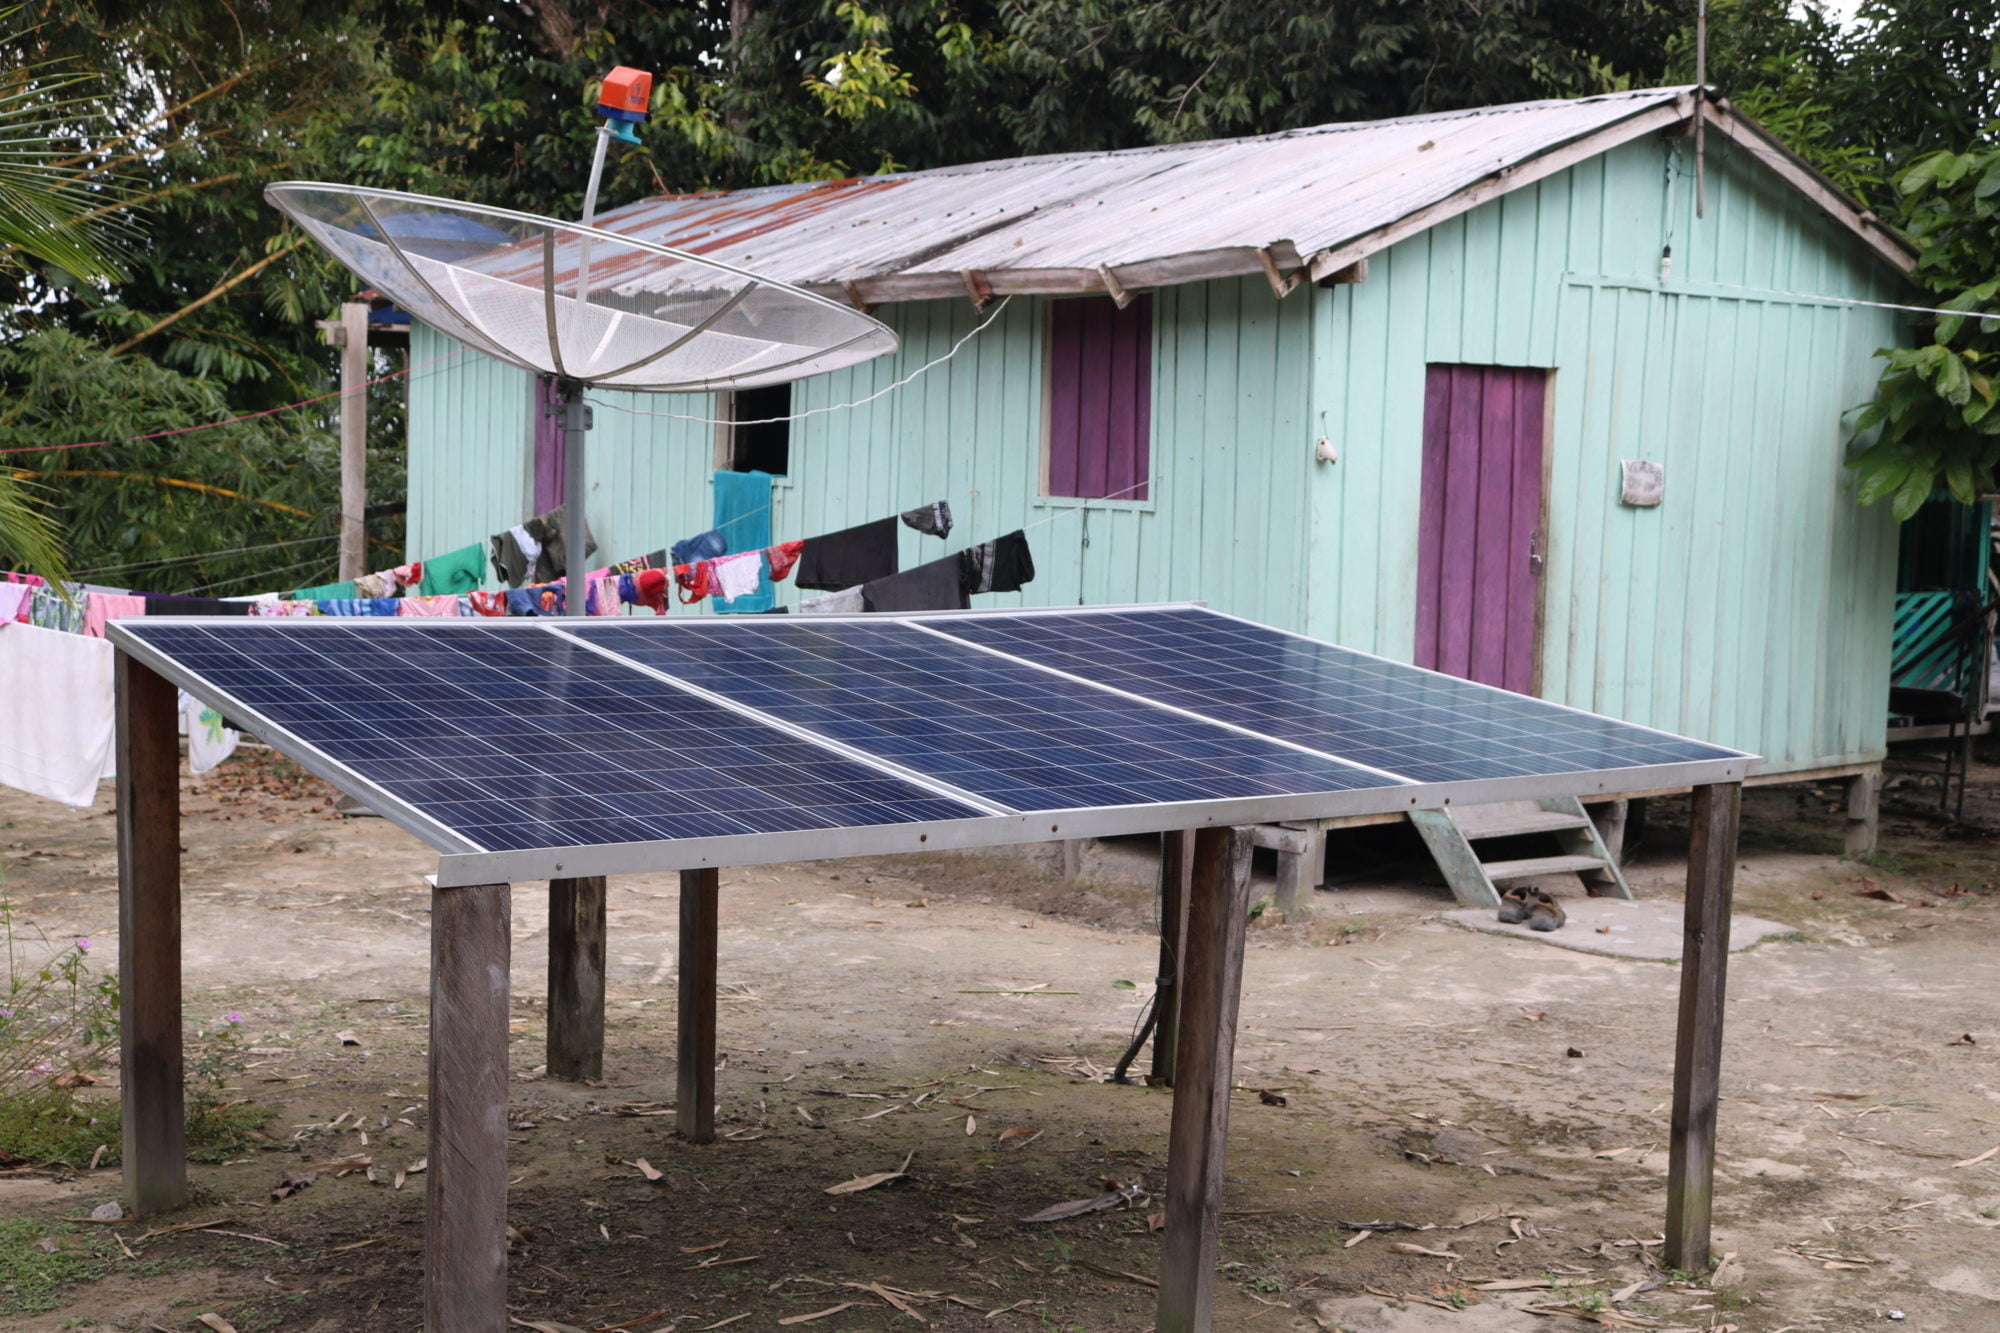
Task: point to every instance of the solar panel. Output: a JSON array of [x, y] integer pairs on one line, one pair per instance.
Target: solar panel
[[506, 740], [1008, 731], [1426, 726], [528, 748]]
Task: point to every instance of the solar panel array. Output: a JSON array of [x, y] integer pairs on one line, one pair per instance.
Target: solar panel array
[[511, 735]]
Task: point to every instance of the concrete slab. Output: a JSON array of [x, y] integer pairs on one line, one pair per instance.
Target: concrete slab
[[1618, 928]]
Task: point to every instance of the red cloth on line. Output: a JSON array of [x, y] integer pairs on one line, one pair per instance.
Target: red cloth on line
[[782, 557], [652, 590], [489, 603]]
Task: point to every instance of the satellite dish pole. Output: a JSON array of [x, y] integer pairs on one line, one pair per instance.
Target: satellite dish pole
[[1700, 97], [623, 103]]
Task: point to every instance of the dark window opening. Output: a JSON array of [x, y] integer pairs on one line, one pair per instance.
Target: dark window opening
[[757, 443]]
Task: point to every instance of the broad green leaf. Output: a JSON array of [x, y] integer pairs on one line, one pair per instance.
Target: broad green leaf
[[1914, 491]]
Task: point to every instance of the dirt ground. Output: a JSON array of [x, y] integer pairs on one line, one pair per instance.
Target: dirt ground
[[931, 1010]]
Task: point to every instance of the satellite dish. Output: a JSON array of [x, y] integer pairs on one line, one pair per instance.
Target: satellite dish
[[586, 307], [576, 302]]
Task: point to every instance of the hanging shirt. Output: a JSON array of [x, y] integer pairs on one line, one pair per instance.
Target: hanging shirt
[[100, 607], [209, 742], [49, 609], [707, 546], [488, 603], [604, 600], [427, 606], [1001, 565], [936, 586], [933, 518], [56, 718], [458, 571], [833, 604], [782, 557], [736, 576], [849, 557], [379, 584], [281, 608]]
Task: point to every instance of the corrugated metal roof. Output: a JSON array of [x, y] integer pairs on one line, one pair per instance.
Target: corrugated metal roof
[[1303, 202]]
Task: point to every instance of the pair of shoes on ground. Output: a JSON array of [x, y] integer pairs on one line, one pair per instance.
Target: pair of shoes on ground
[[1530, 907]]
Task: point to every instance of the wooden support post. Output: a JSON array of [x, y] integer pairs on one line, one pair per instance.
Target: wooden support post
[[1072, 859], [1698, 1042], [1610, 821], [149, 940], [1176, 861], [1211, 987], [352, 341], [576, 979], [465, 1199], [1301, 866], [1864, 812], [696, 1103]]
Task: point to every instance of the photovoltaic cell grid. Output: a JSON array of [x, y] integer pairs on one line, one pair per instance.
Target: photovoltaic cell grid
[[1425, 726], [1007, 731], [519, 740]]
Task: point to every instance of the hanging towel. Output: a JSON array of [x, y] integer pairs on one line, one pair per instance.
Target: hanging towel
[[936, 586], [933, 518], [782, 557], [14, 599], [441, 605], [55, 712], [833, 604], [281, 608], [194, 606], [603, 596], [849, 557], [707, 546], [458, 571], [51, 610], [1001, 565], [743, 517], [209, 742], [736, 577], [325, 592], [99, 607]]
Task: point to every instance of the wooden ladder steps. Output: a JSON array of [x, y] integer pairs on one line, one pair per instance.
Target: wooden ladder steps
[[1512, 818], [1501, 871]]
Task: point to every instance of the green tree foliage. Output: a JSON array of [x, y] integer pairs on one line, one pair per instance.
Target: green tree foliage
[[1933, 421]]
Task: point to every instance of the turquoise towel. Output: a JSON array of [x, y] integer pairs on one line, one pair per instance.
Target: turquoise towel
[[743, 517]]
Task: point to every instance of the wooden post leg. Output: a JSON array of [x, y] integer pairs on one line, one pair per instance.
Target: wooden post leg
[[1864, 812], [149, 941], [1698, 1043], [696, 1102], [465, 1202], [1176, 860], [1211, 986], [1610, 820], [576, 979]]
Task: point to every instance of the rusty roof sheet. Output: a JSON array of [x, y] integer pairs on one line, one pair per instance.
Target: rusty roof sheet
[[1148, 215]]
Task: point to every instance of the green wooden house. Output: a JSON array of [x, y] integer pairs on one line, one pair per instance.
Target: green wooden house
[[1549, 394]]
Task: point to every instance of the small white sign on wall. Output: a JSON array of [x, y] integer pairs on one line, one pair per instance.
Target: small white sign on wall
[[1644, 484]]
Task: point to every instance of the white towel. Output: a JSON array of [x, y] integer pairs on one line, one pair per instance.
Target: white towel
[[56, 720], [209, 742], [738, 574]]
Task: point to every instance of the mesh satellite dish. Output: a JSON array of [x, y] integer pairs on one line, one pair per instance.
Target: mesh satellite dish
[[586, 307], [569, 300]]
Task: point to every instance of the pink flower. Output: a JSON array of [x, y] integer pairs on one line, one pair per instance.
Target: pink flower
[[83, 943], [232, 1017]]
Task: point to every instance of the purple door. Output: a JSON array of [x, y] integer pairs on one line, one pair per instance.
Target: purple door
[[1479, 534]]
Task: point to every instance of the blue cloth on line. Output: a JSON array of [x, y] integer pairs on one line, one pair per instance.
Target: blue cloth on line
[[743, 517], [705, 547]]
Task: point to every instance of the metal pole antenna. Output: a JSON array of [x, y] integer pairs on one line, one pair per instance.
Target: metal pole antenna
[[576, 529]]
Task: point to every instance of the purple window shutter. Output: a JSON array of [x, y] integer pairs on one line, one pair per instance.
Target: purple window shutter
[[1100, 398], [550, 450]]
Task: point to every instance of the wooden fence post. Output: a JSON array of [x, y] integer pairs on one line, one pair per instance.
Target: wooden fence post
[[1211, 988], [695, 1101], [576, 979], [1711, 881], [465, 1203], [149, 940]]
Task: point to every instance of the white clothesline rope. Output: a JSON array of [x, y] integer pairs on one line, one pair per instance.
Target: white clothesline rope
[[974, 332]]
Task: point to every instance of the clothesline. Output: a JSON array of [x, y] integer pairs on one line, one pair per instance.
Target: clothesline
[[974, 332]]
